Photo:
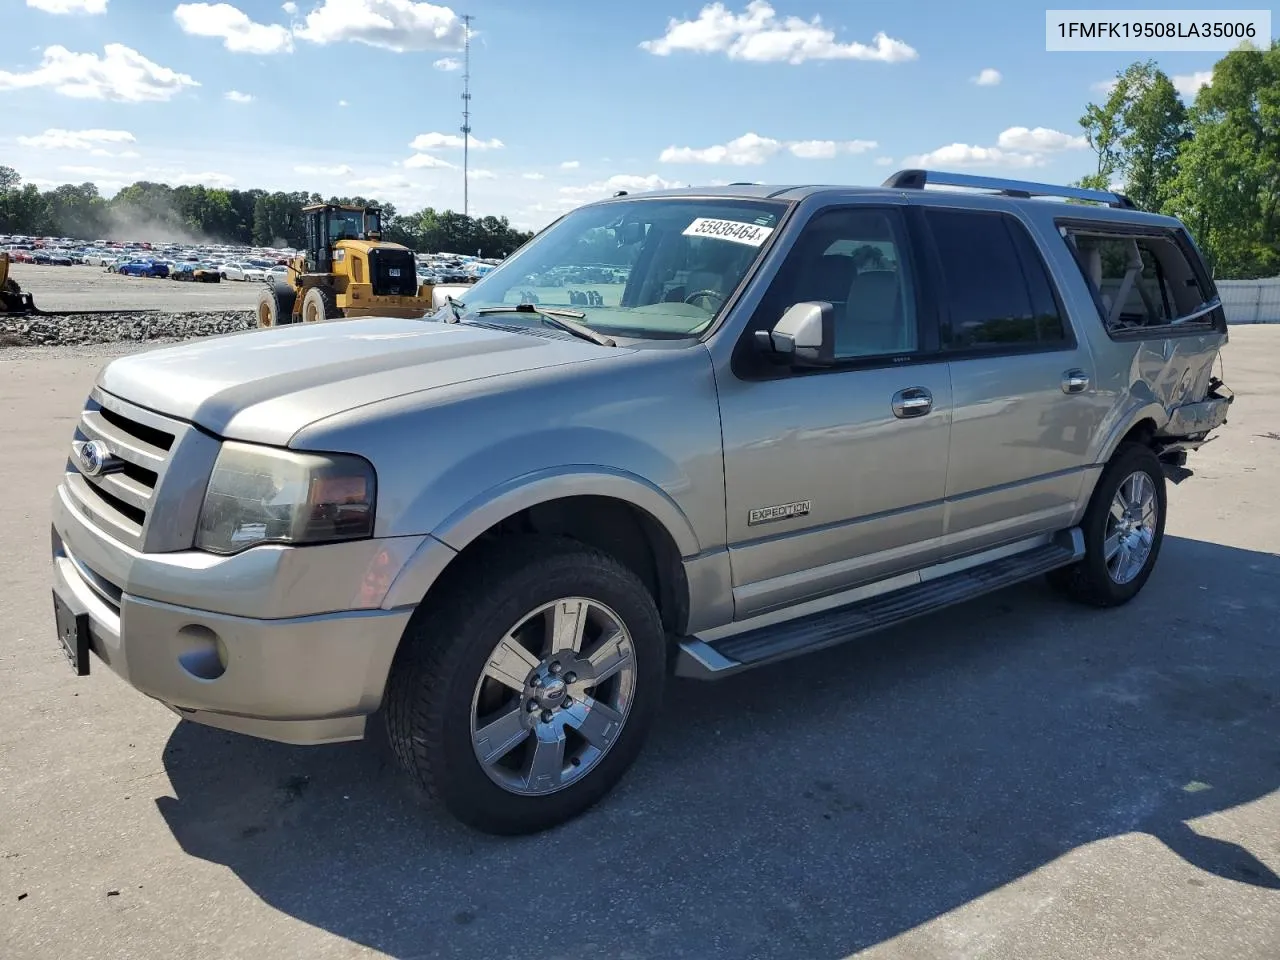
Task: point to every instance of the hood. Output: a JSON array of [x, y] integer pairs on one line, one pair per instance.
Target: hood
[[265, 385]]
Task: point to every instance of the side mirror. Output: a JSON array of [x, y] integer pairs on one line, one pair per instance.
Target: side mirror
[[804, 337], [629, 233]]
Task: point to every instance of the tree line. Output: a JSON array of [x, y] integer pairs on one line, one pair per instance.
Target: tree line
[[199, 214], [1215, 164]]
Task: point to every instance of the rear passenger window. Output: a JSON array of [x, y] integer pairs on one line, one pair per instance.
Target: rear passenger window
[[998, 293], [1141, 281]]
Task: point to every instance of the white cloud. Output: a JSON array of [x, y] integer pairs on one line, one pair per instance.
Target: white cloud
[[1039, 140], [235, 96], [121, 74], [439, 141], [987, 77], [390, 182], [289, 7], [1189, 84], [607, 188], [758, 34], [169, 175], [69, 6], [1104, 86], [532, 176], [421, 161], [570, 165], [883, 161], [205, 178], [233, 27], [1016, 147], [826, 149], [88, 140], [342, 170], [967, 155], [751, 148], [397, 25], [482, 175], [343, 103], [448, 64]]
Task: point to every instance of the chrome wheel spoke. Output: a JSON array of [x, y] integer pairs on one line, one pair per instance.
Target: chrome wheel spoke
[[568, 620], [511, 664], [597, 722], [547, 764], [1111, 547], [610, 656], [499, 737]]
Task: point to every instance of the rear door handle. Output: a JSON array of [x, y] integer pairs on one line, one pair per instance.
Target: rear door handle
[[1075, 381], [912, 402]]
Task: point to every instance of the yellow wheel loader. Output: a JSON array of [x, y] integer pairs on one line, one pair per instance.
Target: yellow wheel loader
[[345, 270], [12, 299]]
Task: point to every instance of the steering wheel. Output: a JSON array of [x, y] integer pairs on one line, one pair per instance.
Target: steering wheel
[[705, 294]]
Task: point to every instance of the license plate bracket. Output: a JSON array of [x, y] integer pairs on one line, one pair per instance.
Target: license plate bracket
[[73, 635]]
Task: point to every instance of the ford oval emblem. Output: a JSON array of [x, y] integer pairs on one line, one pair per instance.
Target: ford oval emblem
[[91, 456]]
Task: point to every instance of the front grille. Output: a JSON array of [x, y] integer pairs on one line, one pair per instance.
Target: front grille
[[139, 445]]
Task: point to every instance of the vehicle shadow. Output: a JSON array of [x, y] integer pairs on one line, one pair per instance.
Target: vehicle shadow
[[813, 809]]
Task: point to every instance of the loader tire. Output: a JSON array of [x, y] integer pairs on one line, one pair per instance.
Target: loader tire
[[319, 303], [275, 305]]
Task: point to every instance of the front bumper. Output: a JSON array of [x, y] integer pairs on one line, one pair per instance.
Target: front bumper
[[277, 661]]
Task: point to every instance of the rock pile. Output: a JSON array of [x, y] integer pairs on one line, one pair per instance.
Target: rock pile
[[83, 328]]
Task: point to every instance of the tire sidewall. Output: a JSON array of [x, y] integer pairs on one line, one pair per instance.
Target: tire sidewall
[[466, 788], [1130, 461]]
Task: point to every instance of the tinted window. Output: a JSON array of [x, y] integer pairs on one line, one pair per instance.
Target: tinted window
[[991, 299], [855, 260]]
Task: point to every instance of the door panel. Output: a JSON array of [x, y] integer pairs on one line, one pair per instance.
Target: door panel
[[874, 482], [1019, 444]]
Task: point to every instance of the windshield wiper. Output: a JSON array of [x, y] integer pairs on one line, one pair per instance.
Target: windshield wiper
[[565, 320], [453, 306]]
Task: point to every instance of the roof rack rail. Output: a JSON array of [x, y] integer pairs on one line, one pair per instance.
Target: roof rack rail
[[917, 179]]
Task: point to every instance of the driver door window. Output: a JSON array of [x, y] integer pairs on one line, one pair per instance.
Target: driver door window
[[856, 260]]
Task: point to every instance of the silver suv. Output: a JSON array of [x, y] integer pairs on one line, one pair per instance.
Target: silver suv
[[692, 431]]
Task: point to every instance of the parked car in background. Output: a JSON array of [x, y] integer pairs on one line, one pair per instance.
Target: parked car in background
[[278, 272], [236, 270], [143, 268], [196, 272]]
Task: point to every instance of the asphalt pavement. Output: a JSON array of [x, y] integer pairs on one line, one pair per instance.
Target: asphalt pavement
[[1015, 779]]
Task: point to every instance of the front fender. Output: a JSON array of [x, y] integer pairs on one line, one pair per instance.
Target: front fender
[[571, 480], [497, 503]]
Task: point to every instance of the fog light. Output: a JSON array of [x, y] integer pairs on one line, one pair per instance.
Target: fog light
[[201, 652]]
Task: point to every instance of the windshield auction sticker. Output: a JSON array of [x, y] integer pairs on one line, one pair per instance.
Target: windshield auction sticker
[[748, 234]]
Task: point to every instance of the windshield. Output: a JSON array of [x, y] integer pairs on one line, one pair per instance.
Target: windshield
[[346, 225], [640, 268]]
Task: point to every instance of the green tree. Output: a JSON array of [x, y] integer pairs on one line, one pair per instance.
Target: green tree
[[1137, 134], [1228, 185]]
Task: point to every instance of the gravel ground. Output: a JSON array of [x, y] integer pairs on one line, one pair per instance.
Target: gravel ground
[[1015, 779], [92, 288], [74, 329]]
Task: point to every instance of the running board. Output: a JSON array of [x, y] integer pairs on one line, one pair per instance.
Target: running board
[[933, 589]]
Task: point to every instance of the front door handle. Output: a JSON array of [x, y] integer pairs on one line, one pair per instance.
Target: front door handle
[[912, 402], [1075, 381]]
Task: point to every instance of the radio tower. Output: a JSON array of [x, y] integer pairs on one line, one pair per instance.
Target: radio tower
[[466, 107]]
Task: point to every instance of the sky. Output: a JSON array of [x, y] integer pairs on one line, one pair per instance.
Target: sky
[[572, 100]]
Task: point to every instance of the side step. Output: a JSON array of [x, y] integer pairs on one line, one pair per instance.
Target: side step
[[932, 591]]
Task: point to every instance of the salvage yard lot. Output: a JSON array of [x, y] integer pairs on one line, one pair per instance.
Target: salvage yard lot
[[92, 288], [1018, 778]]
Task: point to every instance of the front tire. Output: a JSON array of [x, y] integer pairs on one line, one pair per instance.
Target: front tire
[[1123, 530], [319, 304], [524, 690]]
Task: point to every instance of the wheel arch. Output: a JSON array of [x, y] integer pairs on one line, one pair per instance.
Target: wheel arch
[[623, 515]]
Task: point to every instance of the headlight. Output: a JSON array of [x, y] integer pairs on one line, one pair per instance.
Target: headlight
[[265, 495]]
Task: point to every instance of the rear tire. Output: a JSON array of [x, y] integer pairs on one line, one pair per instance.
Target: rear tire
[[1123, 530], [319, 304], [443, 693]]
